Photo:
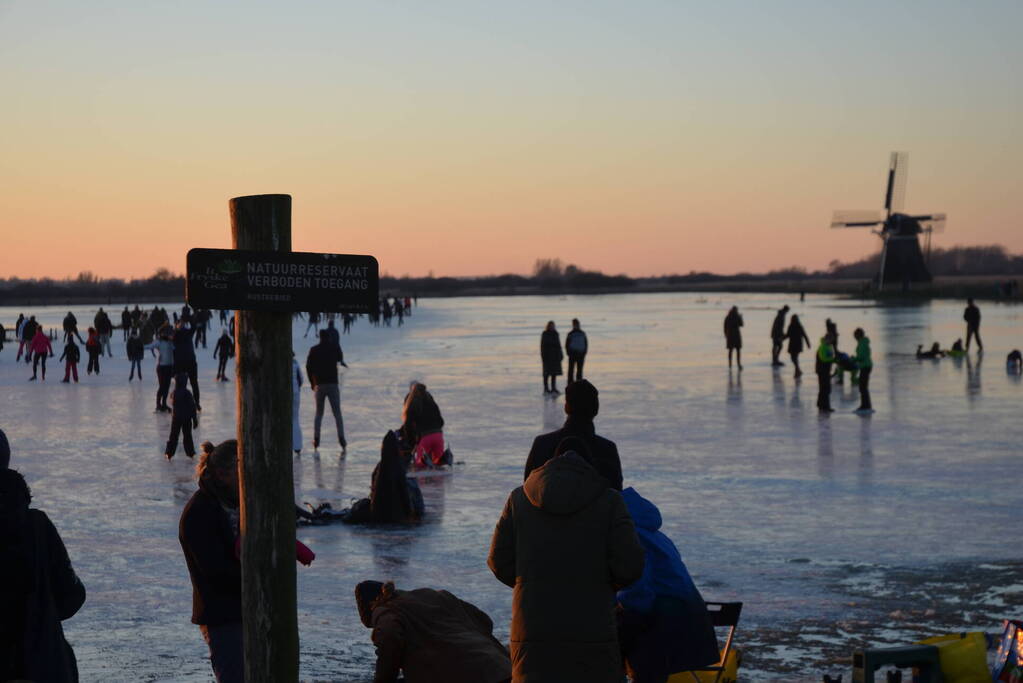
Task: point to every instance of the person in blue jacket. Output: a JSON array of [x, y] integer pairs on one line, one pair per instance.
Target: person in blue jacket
[[663, 624]]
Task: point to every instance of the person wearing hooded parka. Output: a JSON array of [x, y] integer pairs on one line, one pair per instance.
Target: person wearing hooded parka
[[565, 542], [664, 626]]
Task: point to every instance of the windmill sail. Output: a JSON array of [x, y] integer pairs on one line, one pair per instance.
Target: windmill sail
[[856, 219], [895, 197]]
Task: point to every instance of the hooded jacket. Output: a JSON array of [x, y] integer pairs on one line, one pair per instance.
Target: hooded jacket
[[433, 637], [565, 542], [678, 634], [38, 589], [41, 343]]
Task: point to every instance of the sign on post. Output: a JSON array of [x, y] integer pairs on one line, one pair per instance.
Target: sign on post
[[235, 279]]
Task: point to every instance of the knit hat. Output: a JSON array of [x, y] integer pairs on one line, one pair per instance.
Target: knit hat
[[365, 593], [5, 451]]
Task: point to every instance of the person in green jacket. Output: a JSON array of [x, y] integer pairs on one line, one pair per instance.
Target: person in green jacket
[[865, 365]]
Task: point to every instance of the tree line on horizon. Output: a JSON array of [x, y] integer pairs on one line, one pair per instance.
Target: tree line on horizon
[[548, 275]]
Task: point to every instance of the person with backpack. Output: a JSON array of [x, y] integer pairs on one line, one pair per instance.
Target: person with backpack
[[183, 418], [41, 348], [40, 590], [70, 356], [224, 350], [576, 347], [94, 350], [136, 352]]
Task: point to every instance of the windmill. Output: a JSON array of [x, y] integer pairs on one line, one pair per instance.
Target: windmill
[[901, 257]]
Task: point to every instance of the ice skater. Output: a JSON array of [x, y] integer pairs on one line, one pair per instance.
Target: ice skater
[[164, 366], [864, 365], [126, 322], [576, 346], [28, 333], [296, 402], [94, 350], [550, 358], [972, 317], [314, 323], [825, 359], [1014, 362], [796, 335], [41, 349], [321, 367], [70, 325], [224, 350], [71, 355], [778, 336], [104, 328], [136, 352], [183, 418], [184, 354], [733, 336]]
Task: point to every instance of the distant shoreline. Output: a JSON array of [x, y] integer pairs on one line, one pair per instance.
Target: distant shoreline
[[956, 287]]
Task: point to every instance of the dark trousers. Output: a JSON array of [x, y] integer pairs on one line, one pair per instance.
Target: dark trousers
[[227, 653], [865, 389], [824, 388], [575, 363], [184, 427], [69, 370], [135, 365], [971, 332], [163, 375], [39, 357], [776, 345], [221, 366], [93, 363], [192, 370]]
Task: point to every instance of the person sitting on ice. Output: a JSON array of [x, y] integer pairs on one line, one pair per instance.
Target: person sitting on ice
[[422, 422], [393, 498], [663, 624], [1014, 361], [957, 347], [934, 353], [430, 636], [582, 403]]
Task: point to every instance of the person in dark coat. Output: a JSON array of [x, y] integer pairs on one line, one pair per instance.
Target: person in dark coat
[[38, 590], [70, 325], [778, 335], [183, 418], [576, 346], [136, 352], [825, 359], [208, 533], [70, 356], [321, 367], [972, 317], [733, 336], [184, 354], [28, 333], [796, 336], [5, 451], [393, 498], [550, 357], [126, 322], [664, 627], [424, 425], [223, 350], [94, 349], [582, 403], [566, 543], [430, 636]]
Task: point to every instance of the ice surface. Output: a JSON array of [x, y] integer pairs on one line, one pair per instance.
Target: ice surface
[[823, 527]]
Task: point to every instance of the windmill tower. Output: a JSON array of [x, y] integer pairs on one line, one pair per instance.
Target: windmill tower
[[902, 259]]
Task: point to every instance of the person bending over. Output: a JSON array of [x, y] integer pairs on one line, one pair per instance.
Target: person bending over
[[430, 636]]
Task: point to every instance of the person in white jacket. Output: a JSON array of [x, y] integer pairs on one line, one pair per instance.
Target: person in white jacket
[[296, 396], [164, 367]]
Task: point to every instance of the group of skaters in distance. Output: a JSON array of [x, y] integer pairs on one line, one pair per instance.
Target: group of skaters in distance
[[576, 346], [623, 593], [831, 364]]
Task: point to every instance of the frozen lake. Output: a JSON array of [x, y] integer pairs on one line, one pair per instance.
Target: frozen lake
[[835, 532]]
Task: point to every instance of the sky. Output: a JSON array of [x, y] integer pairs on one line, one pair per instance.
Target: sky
[[471, 138]]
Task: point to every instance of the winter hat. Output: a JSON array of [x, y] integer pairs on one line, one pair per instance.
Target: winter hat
[[365, 593], [5, 451]]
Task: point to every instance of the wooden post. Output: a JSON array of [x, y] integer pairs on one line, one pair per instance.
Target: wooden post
[[269, 613]]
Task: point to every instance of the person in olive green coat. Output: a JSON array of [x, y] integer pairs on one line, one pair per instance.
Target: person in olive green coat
[[565, 542], [865, 365]]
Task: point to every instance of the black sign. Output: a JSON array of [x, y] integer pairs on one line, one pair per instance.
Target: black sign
[[281, 281]]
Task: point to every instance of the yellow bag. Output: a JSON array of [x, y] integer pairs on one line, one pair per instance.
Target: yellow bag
[[963, 657], [729, 675]]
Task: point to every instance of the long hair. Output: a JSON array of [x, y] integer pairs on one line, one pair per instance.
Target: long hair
[[415, 394], [220, 457]]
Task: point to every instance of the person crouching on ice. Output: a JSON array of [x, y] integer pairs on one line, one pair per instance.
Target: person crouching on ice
[[430, 636]]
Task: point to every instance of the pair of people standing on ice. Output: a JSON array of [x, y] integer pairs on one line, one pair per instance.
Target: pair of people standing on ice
[[576, 348]]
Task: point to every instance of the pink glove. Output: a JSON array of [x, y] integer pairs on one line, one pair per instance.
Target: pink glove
[[303, 554]]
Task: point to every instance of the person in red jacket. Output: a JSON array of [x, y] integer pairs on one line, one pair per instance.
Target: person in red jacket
[[41, 348]]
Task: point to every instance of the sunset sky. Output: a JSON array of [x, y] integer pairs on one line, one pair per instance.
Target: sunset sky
[[468, 138]]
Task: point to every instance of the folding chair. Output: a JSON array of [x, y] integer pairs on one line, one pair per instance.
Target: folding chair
[[722, 614]]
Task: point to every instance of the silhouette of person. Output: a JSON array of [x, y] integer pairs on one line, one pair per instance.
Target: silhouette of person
[[321, 367], [778, 335], [865, 365], [796, 335], [576, 346], [550, 357], [825, 359], [1014, 361], [733, 336], [972, 317]]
